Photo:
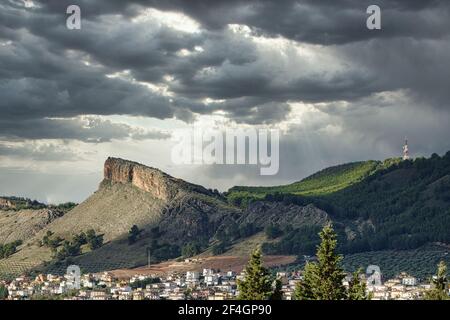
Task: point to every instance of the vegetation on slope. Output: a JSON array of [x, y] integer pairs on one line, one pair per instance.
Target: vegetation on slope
[[390, 205], [377, 205], [420, 262], [8, 249], [407, 205], [323, 182], [19, 203]]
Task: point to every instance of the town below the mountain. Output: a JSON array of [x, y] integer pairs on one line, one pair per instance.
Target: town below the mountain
[[392, 215], [206, 285]]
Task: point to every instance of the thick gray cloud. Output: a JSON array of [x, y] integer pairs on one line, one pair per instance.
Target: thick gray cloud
[[45, 72], [322, 22], [86, 129], [250, 61], [240, 69]]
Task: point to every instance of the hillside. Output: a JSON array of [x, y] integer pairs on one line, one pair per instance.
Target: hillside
[[21, 219], [324, 182], [384, 205], [375, 207], [25, 223], [170, 214]]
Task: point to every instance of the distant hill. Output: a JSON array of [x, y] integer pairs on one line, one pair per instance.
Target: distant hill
[[375, 207], [21, 218], [16, 203], [324, 182]]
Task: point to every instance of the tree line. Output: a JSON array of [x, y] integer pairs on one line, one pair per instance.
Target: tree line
[[322, 279]]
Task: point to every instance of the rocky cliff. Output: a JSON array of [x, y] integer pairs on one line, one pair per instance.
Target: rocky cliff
[[169, 212], [154, 181]]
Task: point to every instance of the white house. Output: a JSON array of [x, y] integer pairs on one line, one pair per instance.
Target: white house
[[192, 276], [409, 281]]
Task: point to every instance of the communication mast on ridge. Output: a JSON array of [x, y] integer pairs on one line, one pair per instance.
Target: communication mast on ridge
[[406, 150]]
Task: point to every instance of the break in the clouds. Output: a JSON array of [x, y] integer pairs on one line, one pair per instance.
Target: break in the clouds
[[139, 69]]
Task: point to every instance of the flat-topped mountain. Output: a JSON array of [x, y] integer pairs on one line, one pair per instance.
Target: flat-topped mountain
[[389, 205], [172, 215], [154, 181]]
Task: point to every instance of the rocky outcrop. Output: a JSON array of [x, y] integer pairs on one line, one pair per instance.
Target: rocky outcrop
[[154, 181], [6, 204], [262, 213], [192, 218]]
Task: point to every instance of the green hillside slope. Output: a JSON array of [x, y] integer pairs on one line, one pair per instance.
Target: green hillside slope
[[323, 182], [375, 205]]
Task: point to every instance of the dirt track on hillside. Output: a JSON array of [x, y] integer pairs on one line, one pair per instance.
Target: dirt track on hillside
[[222, 263]]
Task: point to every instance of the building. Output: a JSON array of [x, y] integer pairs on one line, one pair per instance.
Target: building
[[192, 276], [409, 281]]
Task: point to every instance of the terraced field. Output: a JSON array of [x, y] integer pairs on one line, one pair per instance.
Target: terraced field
[[10, 270], [421, 262]]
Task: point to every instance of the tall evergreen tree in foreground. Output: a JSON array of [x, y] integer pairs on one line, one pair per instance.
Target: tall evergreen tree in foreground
[[306, 288], [277, 292], [357, 288], [257, 284], [322, 280], [440, 282], [3, 292]]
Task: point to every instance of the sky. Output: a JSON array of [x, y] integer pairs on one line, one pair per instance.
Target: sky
[[139, 70]]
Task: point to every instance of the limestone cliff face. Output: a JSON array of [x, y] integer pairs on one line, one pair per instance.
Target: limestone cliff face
[[154, 181]]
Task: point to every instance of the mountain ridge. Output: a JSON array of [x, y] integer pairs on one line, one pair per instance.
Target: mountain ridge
[[365, 200], [152, 180]]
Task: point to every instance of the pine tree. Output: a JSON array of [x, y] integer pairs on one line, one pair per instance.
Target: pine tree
[[322, 280], [133, 234], [277, 293], [3, 292], [357, 288], [304, 289], [439, 290], [257, 284]]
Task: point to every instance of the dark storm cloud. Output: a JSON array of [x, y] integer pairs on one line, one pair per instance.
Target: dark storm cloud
[[253, 110], [44, 74], [421, 66], [42, 79], [321, 22], [88, 129]]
